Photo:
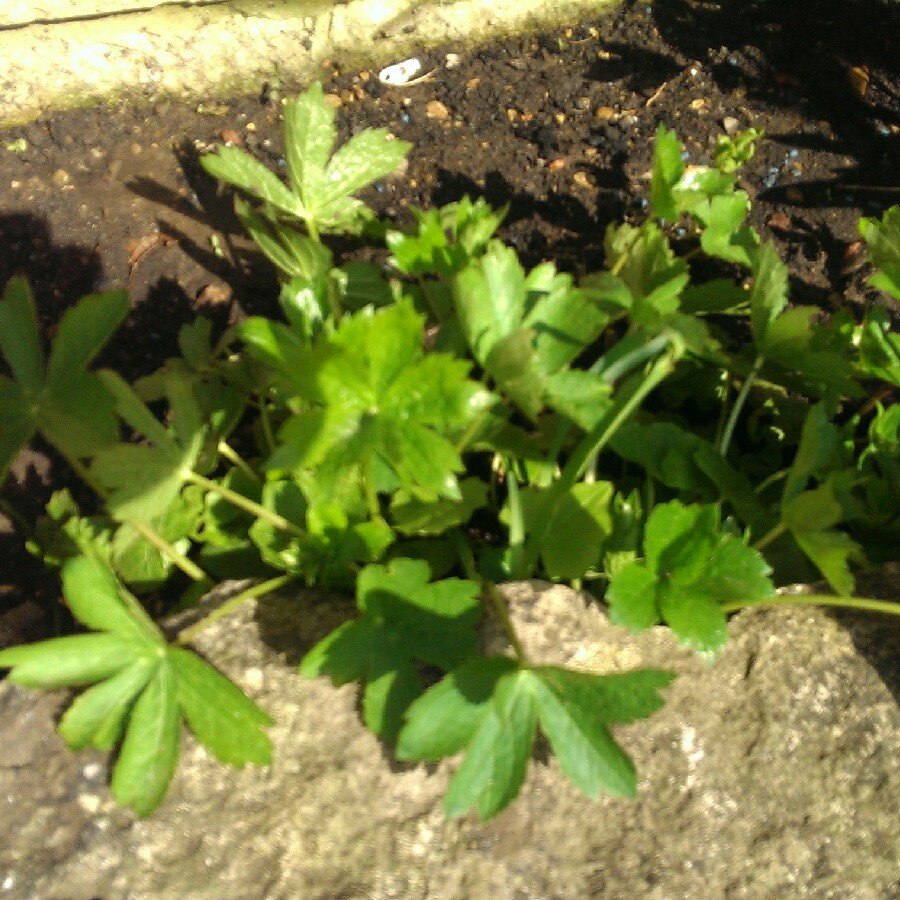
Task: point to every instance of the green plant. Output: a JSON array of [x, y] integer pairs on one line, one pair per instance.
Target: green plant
[[419, 432]]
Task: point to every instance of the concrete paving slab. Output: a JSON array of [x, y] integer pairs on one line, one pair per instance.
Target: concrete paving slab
[[212, 48]]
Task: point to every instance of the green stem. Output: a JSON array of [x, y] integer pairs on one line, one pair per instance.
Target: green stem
[[257, 590], [516, 523], [266, 425], [189, 567], [860, 603], [489, 590], [632, 394], [498, 604], [226, 450], [371, 494], [772, 535], [739, 402], [248, 505]]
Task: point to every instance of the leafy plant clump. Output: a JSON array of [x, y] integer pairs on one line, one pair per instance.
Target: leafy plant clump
[[418, 432]]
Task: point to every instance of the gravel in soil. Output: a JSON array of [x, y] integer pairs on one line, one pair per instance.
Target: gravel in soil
[[557, 125]]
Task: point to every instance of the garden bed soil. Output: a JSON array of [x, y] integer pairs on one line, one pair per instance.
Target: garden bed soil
[[559, 126]]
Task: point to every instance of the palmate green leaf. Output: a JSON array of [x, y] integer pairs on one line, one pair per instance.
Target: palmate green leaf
[[238, 168], [385, 407], [645, 263], [632, 598], [581, 396], [410, 516], [442, 721], [580, 521], [98, 601], [97, 717], [811, 517], [294, 254], [682, 460], [404, 618], [494, 767], [883, 238], [141, 688], [490, 707], [575, 709], [67, 404], [222, 717], [145, 480], [149, 752], [791, 342], [691, 569], [75, 660], [879, 347], [524, 328], [325, 186]]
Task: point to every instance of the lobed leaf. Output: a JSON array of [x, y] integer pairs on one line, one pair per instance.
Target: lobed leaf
[[70, 661], [149, 752], [224, 719], [97, 717]]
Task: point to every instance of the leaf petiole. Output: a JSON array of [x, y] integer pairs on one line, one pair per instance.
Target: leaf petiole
[[246, 504], [257, 590], [888, 607], [739, 402]]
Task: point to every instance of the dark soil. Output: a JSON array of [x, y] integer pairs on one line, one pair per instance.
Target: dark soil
[[559, 126]]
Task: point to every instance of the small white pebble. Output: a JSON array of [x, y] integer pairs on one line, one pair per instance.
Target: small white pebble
[[253, 678], [89, 802], [93, 771]]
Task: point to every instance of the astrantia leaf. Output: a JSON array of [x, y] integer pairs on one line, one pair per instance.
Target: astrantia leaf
[[144, 480], [442, 721], [691, 569], [222, 717], [667, 171], [404, 618], [97, 717], [149, 752], [69, 661], [384, 405], [883, 238], [496, 760], [632, 598], [96, 599], [575, 709], [410, 516], [67, 404], [238, 168]]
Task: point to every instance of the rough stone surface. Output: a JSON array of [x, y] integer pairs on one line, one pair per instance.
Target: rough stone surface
[[773, 773]]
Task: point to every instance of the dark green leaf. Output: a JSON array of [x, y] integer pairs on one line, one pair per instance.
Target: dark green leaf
[[496, 760], [442, 721], [574, 709], [20, 335]]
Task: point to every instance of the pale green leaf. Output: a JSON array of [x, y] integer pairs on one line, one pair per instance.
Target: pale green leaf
[[239, 169]]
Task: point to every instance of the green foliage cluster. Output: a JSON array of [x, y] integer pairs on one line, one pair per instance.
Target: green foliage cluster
[[421, 431]]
